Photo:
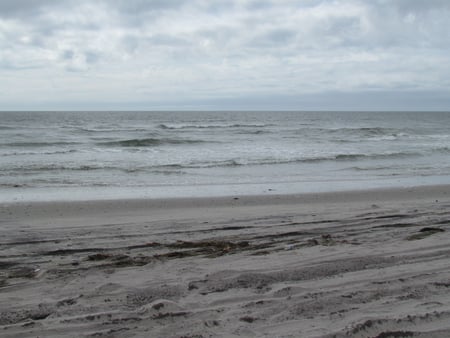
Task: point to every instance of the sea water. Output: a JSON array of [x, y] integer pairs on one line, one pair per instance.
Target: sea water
[[92, 155]]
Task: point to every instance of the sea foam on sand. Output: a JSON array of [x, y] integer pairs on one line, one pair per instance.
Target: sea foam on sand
[[344, 264]]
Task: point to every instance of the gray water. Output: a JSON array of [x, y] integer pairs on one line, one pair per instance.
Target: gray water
[[78, 155]]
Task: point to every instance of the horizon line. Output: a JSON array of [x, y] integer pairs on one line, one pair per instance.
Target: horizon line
[[225, 110]]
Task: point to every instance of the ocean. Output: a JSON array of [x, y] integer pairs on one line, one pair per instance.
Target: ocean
[[107, 155]]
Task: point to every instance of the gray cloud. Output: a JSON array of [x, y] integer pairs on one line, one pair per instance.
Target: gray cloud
[[167, 40], [419, 6], [91, 57], [275, 37], [138, 6], [67, 55], [22, 8], [198, 50]]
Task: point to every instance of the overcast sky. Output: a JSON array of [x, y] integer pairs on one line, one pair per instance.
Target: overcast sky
[[225, 54]]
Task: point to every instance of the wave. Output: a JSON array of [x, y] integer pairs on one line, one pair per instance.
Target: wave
[[346, 157], [367, 132], [31, 153], [7, 127], [338, 157], [59, 167], [109, 130], [211, 126], [253, 132], [443, 150], [37, 144], [13, 185], [214, 164], [148, 142], [183, 168], [374, 168], [35, 168], [275, 161]]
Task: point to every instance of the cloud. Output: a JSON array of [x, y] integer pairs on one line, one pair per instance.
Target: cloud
[[419, 7], [139, 6], [22, 8], [200, 50]]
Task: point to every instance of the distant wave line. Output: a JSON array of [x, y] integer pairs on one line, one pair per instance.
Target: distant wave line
[[37, 144], [56, 167], [362, 131], [211, 126], [28, 153], [108, 130], [148, 142]]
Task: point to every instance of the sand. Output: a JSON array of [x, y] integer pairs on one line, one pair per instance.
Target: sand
[[344, 264]]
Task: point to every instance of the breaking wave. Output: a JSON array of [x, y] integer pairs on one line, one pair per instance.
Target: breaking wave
[[148, 142], [275, 161], [211, 126]]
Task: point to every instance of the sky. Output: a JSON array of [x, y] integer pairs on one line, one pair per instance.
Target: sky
[[224, 55]]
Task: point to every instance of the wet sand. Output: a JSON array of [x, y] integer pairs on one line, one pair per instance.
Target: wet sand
[[349, 264]]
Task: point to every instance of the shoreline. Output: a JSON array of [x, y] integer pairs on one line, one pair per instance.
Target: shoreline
[[273, 198], [208, 191], [336, 264]]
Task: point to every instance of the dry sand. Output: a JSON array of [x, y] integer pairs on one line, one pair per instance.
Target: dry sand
[[354, 264]]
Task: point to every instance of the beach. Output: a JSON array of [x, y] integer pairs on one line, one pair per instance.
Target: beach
[[366, 263], [224, 169]]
